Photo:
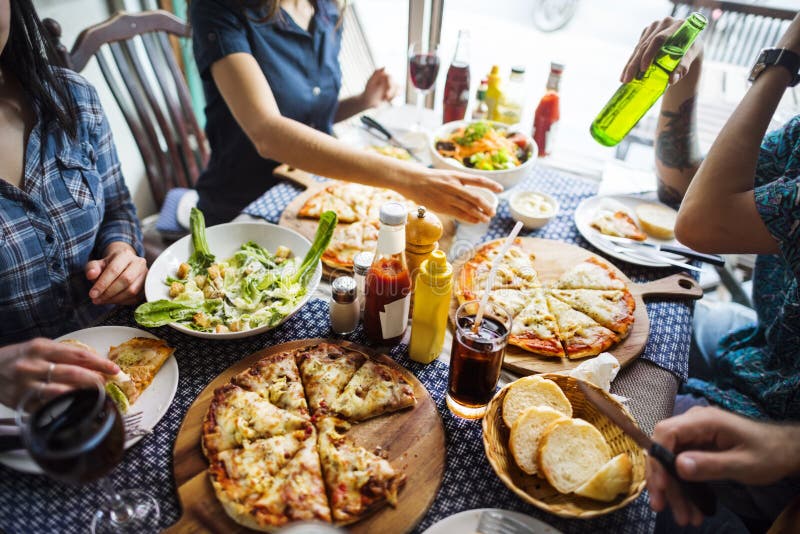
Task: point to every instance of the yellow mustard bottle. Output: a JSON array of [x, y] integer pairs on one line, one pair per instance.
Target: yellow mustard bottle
[[494, 93], [434, 285]]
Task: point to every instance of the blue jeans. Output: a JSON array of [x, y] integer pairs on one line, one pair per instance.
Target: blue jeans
[[756, 506]]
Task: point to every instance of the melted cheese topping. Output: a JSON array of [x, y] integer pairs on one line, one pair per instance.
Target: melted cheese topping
[[246, 415], [588, 276]]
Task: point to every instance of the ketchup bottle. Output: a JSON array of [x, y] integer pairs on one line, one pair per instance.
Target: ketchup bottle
[[547, 112], [456, 88], [387, 288]]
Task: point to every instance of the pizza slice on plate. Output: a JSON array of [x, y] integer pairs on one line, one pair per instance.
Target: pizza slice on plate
[[358, 480], [590, 274], [618, 223], [611, 308], [139, 358], [277, 379], [236, 416], [375, 389], [325, 370], [535, 329], [580, 334]]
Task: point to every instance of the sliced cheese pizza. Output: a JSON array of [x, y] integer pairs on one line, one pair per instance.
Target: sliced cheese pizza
[[515, 271], [277, 379], [237, 415], [348, 240], [375, 389], [590, 274], [611, 308], [535, 329], [323, 201], [358, 480], [618, 223], [580, 334], [140, 358], [325, 370]]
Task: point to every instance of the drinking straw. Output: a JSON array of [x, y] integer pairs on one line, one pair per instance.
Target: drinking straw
[[492, 270]]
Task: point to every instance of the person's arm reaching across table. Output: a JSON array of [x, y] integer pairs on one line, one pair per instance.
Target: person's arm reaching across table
[[712, 444]]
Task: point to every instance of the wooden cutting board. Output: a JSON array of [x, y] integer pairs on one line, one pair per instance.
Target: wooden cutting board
[[553, 258], [413, 439], [308, 227]]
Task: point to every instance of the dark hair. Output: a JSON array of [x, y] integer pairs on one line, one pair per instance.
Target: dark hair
[[29, 56]]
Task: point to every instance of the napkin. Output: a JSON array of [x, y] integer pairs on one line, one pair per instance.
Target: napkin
[[600, 370]]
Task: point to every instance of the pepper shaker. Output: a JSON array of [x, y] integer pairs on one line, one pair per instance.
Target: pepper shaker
[[344, 309], [361, 264]]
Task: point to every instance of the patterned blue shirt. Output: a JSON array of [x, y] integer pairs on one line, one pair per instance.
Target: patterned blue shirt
[[71, 204], [757, 369]]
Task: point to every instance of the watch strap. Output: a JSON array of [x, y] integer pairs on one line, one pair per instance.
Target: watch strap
[[781, 57]]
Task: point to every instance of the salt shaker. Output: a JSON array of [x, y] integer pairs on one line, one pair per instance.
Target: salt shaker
[[361, 264], [344, 308]]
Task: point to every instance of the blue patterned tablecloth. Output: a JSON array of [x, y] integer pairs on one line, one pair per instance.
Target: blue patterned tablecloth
[[33, 504]]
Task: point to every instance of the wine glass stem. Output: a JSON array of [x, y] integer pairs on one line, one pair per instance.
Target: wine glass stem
[[119, 510], [420, 106]]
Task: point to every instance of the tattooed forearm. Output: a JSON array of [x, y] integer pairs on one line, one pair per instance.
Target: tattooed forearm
[[676, 146]]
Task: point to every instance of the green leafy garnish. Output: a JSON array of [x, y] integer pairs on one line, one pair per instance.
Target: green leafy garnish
[[161, 312], [473, 132], [327, 224], [201, 258]]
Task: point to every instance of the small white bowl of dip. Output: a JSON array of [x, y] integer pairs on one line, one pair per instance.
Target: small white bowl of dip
[[532, 209]]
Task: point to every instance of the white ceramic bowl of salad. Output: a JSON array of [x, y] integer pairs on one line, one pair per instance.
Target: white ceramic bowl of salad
[[263, 309], [505, 167]]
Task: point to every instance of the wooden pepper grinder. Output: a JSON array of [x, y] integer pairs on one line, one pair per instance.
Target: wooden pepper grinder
[[423, 231]]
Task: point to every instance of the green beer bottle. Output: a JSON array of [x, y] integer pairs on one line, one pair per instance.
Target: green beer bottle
[[633, 99]]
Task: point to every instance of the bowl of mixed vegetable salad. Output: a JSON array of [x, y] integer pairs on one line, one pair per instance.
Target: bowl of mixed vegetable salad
[[233, 280], [487, 148]]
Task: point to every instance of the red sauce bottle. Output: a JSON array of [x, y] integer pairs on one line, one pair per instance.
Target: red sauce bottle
[[387, 287], [547, 112], [456, 87]]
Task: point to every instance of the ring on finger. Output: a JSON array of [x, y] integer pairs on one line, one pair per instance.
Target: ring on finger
[[50, 370]]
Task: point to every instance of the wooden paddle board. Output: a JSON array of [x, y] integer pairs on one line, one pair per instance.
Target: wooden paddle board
[[413, 439], [553, 258], [308, 227]]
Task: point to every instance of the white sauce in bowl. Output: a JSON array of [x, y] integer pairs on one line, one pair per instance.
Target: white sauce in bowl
[[533, 205]]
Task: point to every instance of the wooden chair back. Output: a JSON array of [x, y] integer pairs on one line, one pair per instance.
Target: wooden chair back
[[736, 31], [355, 56], [136, 58]]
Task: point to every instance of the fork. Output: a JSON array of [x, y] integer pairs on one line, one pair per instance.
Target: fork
[[132, 423], [492, 522]]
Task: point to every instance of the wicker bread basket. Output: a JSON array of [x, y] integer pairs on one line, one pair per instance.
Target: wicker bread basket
[[537, 491]]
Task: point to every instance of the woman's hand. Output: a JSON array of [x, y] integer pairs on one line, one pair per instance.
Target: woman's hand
[[118, 277], [650, 42], [47, 366], [444, 192], [719, 445], [380, 88]]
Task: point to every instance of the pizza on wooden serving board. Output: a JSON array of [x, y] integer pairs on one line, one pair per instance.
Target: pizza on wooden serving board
[[583, 312], [276, 439]]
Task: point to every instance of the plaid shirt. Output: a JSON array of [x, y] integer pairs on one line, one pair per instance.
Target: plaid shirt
[[71, 204]]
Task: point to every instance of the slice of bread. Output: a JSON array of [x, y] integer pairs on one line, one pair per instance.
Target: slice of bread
[[657, 220], [612, 479], [533, 391], [570, 453], [526, 435]]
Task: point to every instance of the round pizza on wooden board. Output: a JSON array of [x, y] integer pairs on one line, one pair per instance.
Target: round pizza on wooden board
[[412, 439], [360, 230], [552, 260]]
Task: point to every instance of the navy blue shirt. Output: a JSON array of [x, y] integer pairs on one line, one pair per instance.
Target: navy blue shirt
[[302, 68]]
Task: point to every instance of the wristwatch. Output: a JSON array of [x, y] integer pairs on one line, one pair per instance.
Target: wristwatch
[[777, 56]]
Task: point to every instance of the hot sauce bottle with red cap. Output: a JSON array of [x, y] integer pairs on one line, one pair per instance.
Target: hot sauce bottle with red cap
[[387, 288]]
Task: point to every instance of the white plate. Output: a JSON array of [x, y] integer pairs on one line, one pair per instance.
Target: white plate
[[587, 210], [467, 522], [223, 241], [153, 403]]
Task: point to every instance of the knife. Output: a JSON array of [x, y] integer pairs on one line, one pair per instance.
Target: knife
[[372, 124], [699, 493], [651, 255], [713, 259]]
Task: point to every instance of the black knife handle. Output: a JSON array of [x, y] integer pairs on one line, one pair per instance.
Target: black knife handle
[[699, 493], [372, 123], [713, 259]]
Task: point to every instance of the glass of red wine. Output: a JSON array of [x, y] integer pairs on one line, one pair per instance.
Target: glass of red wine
[[79, 437], [423, 67]]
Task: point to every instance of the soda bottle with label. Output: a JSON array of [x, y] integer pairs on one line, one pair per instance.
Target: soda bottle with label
[[387, 287], [548, 112], [456, 88]]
